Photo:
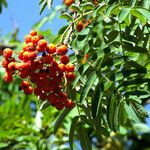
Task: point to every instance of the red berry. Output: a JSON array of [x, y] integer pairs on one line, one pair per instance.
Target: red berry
[[62, 50], [52, 98], [70, 67], [80, 26], [64, 59], [70, 76], [29, 46], [28, 38], [48, 59], [35, 39], [68, 2], [59, 106], [51, 48], [33, 33], [37, 91], [62, 67], [69, 104], [5, 63], [28, 90], [25, 84], [43, 96], [24, 73], [7, 53], [12, 66], [8, 76], [42, 43]]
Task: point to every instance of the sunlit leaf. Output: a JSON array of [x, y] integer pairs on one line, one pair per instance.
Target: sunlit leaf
[[66, 16], [123, 14], [87, 6]]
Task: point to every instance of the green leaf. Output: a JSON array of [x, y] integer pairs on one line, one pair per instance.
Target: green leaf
[[66, 16], [76, 8], [44, 105], [2, 144], [83, 137], [136, 93], [134, 82], [49, 3], [0, 8], [112, 113], [99, 9], [60, 119], [86, 88], [135, 13], [81, 70], [144, 12], [131, 113], [96, 100], [4, 2], [132, 63], [61, 30], [41, 1], [85, 31], [141, 128], [123, 14], [57, 39], [141, 112], [122, 114], [111, 36], [43, 6], [136, 49], [72, 130], [88, 6], [82, 41]]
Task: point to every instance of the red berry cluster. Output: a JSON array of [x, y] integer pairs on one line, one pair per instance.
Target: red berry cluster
[[44, 68]]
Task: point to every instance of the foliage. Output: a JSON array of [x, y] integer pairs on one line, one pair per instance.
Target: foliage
[[110, 50], [2, 3]]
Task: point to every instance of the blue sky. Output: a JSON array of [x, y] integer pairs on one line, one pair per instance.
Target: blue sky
[[24, 14]]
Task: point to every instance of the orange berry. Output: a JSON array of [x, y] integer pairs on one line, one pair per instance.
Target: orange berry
[[5, 63], [70, 67], [62, 67], [68, 2], [80, 26], [42, 43], [12, 66], [62, 50], [7, 53], [8, 76], [28, 38], [35, 39], [33, 33], [51, 48]]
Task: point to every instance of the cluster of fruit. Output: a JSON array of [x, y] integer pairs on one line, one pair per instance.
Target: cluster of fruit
[[44, 69], [70, 2]]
